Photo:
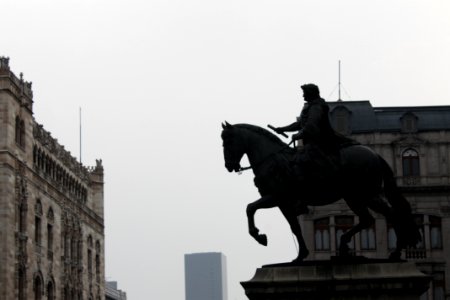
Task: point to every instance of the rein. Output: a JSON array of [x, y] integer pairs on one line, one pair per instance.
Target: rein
[[242, 169]]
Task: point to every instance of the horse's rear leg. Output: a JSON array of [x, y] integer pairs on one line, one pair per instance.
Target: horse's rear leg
[[365, 221], [303, 251], [381, 207]]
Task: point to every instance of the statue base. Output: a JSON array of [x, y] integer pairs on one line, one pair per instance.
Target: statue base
[[356, 278]]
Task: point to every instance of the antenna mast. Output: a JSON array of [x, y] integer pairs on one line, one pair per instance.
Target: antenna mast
[[80, 137], [339, 99]]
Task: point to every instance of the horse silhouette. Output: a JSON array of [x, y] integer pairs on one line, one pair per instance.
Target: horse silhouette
[[365, 181]]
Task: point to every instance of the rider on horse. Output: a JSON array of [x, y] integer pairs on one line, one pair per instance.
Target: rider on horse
[[328, 168], [318, 160]]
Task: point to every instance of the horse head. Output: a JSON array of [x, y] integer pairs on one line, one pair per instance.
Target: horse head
[[232, 147]]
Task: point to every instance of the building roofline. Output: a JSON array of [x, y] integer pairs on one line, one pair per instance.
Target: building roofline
[[398, 107]]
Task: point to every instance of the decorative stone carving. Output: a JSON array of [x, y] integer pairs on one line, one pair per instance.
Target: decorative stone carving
[[99, 165], [4, 63], [52, 146]]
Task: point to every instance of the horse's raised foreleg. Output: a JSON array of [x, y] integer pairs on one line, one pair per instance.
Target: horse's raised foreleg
[[303, 251], [264, 202]]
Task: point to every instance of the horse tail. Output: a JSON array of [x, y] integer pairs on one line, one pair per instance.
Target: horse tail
[[402, 220]]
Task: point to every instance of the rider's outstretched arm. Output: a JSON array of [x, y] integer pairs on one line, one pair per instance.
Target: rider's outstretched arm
[[292, 127]]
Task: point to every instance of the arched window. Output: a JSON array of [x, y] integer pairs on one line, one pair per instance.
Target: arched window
[[38, 223], [35, 151], [47, 165], [17, 130], [409, 122], [80, 251], [23, 217], [341, 117], [50, 222], [50, 291], [89, 256], [22, 280], [39, 158], [410, 161], [97, 260], [322, 234], [73, 249], [22, 133], [66, 293], [37, 288]]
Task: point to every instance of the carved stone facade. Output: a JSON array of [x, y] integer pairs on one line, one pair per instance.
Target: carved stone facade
[[51, 208], [415, 141]]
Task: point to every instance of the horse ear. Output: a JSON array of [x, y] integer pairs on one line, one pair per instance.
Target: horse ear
[[223, 126], [228, 125]]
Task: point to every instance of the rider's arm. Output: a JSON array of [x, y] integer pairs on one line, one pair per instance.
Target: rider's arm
[[292, 127]]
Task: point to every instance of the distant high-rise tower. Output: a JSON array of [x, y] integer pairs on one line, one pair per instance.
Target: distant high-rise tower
[[205, 276]]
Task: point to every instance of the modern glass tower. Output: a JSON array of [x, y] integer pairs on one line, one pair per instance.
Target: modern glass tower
[[205, 276]]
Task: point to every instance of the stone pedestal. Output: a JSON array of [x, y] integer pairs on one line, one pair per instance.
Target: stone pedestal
[[338, 280]]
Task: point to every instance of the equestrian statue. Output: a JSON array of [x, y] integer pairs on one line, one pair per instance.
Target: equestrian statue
[[327, 168]]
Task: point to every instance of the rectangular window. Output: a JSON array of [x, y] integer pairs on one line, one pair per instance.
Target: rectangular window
[[343, 224], [368, 240], [392, 237], [435, 232], [438, 286], [418, 219], [322, 234]]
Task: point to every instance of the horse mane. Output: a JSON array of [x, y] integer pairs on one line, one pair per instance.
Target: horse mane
[[262, 131]]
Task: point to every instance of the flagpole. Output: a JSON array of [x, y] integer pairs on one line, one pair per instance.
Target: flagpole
[[80, 137]]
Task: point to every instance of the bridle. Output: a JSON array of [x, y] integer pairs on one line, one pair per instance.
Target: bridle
[[256, 165]]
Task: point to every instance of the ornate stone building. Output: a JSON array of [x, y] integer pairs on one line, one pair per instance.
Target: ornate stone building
[[415, 141], [51, 207]]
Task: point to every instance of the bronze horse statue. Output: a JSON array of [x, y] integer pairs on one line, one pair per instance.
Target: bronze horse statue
[[365, 182]]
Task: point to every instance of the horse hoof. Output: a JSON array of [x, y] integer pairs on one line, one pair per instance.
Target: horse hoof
[[262, 239], [301, 256], [395, 256], [298, 260], [344, 250]]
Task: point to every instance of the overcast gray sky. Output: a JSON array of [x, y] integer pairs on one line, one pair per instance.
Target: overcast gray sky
[[156, 78]]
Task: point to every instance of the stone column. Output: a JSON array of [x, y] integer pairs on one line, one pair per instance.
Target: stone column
[[338, 280]]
